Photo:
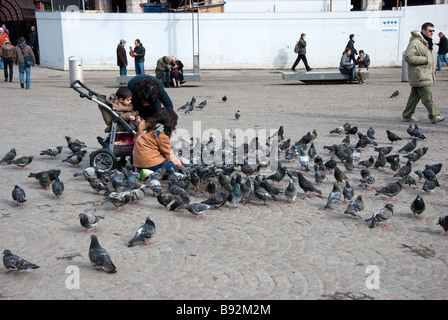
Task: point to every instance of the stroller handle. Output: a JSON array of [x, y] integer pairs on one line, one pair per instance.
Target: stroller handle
[[82, 94]]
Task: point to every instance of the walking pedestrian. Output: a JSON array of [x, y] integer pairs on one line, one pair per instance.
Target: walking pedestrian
[[421, 59], [351, 45], [443, 50], [3, 37], [7, 55], [22, 50], [122, 60], [34, 43], [301, 54]]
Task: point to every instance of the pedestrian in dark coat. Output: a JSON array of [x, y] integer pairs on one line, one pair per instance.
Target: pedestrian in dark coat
[[301, 54], [351, 45], [443, 50], [122, 59]]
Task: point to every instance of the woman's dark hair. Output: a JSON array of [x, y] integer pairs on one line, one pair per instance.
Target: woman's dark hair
[[166, 116], [351, 36], [123, 93], [147, 90]]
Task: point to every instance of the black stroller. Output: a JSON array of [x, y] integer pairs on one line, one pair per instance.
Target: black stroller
[[120, 138]]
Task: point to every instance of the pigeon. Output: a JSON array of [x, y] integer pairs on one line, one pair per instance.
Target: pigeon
[[15, 263], [71, 140], [165, 199], [410, 130], [418, 206], [278, 175], [87, 172], [237, 115], [211, 187], [414, 155], [75, 158], [9, 156], [291, 192], [155, 186], [235, 196], [272, 189], [99, 257], [306, 185], [418, 133], [284, 144], [381, 215], [195, 180], [197, 208], [349, 165], [88, 221], [413, 178], [390, 190], [380, 161], [404, 170], [304, 160], [312, 152], [192, 101], [339, 175], [436, 167], [367, 181], [443, 222], [118, 199], [335, 196], [395, 165], [224, 99], [410, 146], [246, 189], [348, 192], [429, 185], [189, 109], [355, 207], [338, 130], [319, 174], [393, 137], [96, 184], [364, 141], [184, 106], [22, 162], [429, 174], [202, 105], [52, 152], [44, 180], [331, 164], [395, 94], [57, 187], [262, 194], [216, 201], [144, 234], [18, 195], [367, 163], [371, 133]]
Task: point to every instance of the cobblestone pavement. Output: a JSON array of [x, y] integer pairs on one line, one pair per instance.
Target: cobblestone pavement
[[255, 251]]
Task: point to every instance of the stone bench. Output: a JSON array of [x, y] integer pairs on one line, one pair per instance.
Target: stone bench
[[187, 77], [319, 77]]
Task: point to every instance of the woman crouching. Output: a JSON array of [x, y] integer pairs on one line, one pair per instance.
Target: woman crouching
[[152, 149]]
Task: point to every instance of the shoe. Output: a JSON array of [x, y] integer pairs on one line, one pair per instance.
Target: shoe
[[6, 79], [309, 69], [294, 70], [437, 118], [22, 85], [411, 119]]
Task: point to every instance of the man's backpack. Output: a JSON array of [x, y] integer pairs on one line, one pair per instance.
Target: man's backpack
[[296, 48]]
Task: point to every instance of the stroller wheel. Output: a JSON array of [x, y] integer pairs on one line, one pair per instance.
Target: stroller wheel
[[103, 160]]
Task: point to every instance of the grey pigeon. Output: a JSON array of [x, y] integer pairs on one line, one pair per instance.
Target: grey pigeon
[[410, 146], [183, 107], [44, 180], [57, 187], [89, 221], [413, 178], [368, 163], [197, 208], [217, 200], [99, 257], [443, 222], [22, 162], [393, 137], [237, 115], [348, 192], [10, 155], [404, 170], [429, 185], [165, 199], [117, 180], [202, 105], [278, 175], [418, 133], [118, 199], [380, 161], [211, 187], [246, 189], [410, 130], [77, 141], [76, 158], [391, 190], [355, 207], [339, 175], [430, 174], [418, 206], [87, 172], [291, 192], [235, 196], [189, 109], [52, 152], [395, 94], [18, 195], [13, 262], [381, 215], [319, 174], [96, 184], [262, 194], [144, 234], [224, 99], [334, 197], [307, 186], [304, 160], [155, 186]]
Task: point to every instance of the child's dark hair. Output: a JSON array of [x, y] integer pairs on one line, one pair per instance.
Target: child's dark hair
[[166, 116], [123, 93]]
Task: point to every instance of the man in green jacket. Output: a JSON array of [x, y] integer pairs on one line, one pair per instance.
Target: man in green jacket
[[422, 60], [163, 70]]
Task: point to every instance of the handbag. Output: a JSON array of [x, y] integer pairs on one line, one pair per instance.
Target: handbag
[[28, 60], [296, 48]]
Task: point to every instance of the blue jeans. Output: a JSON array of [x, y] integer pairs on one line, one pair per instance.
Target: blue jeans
[[123, 71], [351, 72], [139, 68], [439, 60], [168, 165], [22, 70]]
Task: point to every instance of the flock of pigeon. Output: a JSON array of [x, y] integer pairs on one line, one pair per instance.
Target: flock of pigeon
[[242, 182]]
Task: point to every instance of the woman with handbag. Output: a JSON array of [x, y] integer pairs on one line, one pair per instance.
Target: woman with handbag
[[25, 59]]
